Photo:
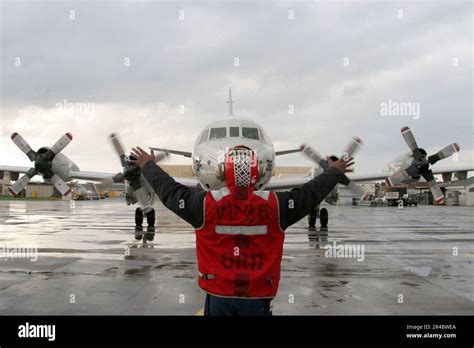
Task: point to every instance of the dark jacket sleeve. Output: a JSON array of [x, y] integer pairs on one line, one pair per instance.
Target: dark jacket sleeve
[[296, 204], [187, 203]]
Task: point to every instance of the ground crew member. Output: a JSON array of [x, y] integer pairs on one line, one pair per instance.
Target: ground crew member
[[239, 231]]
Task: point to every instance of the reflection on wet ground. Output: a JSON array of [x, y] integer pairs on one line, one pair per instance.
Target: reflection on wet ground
[[416, 260]]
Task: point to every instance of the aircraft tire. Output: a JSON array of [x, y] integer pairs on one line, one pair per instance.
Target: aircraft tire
[[324, 217], [150, 218], [138, 217], [312, 216]]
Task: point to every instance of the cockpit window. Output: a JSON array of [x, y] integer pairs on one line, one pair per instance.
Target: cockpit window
[[204, 136], [234, 132], [262, 136], [218, 133], [251, 133]]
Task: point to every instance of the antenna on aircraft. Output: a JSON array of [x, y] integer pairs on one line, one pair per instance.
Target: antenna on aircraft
[[230, 102]]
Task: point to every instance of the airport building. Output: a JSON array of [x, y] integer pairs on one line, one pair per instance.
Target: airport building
[[32, 190], [460, 192], [178, 170], [456, 193], [41, 189]]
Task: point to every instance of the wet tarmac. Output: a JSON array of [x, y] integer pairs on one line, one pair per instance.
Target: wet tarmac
[[383, 260]]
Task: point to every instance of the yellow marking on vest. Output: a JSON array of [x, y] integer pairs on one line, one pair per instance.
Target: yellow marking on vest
[[200, 312]]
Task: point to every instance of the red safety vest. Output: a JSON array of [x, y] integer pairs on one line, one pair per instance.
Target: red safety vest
[[240, 245]]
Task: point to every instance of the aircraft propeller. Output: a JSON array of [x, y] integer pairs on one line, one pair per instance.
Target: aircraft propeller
[[351, 149], [420, 165], [43, 159], [131, 172]]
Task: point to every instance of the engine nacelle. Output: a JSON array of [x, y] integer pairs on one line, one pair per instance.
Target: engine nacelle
[[61, 165], [412, 180], [403, 161]]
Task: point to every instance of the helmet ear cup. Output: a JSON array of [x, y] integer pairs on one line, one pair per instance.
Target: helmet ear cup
[[220, 171], [261, 170]]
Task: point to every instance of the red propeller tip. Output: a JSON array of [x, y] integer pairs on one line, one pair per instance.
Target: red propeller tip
[[358, 141], [302, 146], [13, 193], [69, 135], [439, 201], [405, 129], [13, 136], [67, 192], [388, 182], [456, 146]]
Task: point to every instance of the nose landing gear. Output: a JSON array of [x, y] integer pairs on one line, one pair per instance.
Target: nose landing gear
[[314, 213], [313, 234], [324, 217], [150, 231]]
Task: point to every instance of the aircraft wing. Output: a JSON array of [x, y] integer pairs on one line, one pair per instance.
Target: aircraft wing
[[287, 183], [94, 176], [286, 152], [463, 168], [189, 182], [74, 175], [284, 183], [14, 169], [189, 154], [383, 175], [175, 152]]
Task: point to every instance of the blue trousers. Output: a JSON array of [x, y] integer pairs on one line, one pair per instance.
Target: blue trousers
[[222, 306]]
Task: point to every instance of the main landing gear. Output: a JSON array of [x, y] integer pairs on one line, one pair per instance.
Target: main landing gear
[[149, 235], [314, 213]]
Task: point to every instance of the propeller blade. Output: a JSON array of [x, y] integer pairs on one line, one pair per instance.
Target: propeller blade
[[443, 153], [61, 143], [314, 155], [107, 182], [21, 183], [352, 148], [60, 185], [410, 141], [397, 178], [118, 178], [358, 191], [23, 146], [401, 175], [434, 187], [118, 148], [161, 155]]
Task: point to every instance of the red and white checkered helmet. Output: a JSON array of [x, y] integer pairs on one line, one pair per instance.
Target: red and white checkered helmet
[[241, 167]]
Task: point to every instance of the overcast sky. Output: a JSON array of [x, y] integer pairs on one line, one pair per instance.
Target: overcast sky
[[137, 64]]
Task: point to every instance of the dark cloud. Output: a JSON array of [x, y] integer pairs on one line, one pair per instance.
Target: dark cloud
[[282, 62]]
